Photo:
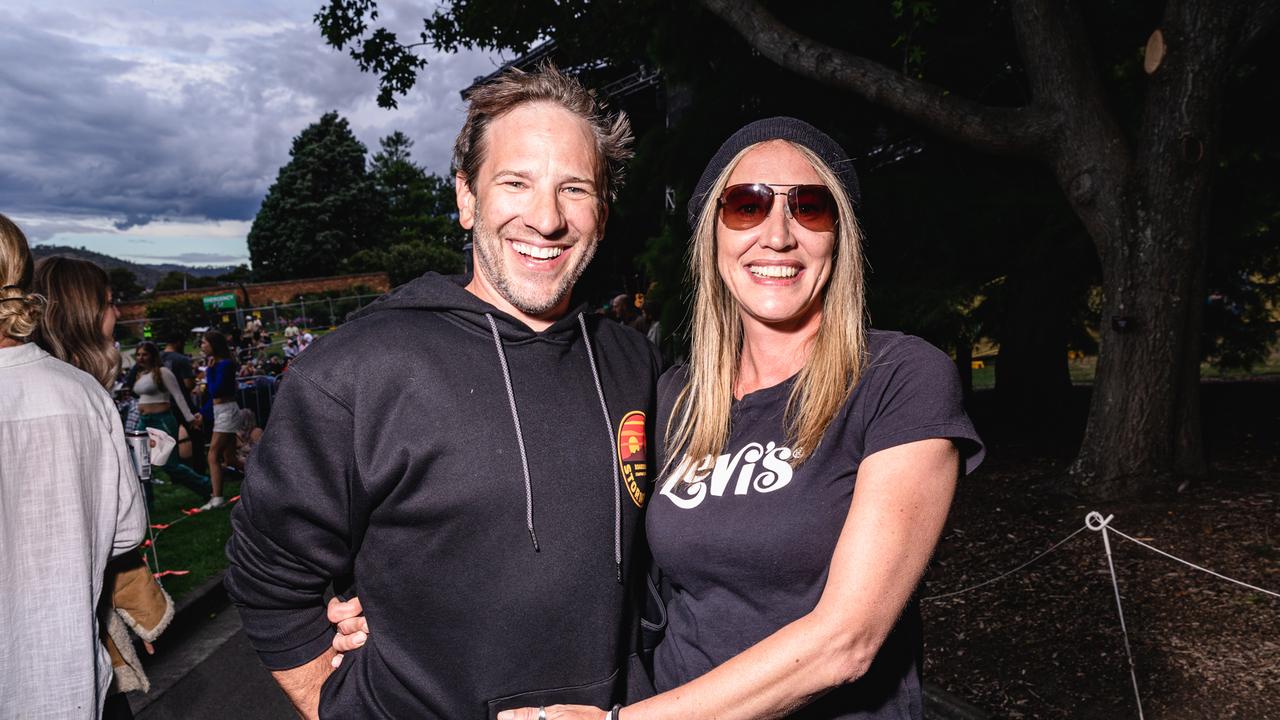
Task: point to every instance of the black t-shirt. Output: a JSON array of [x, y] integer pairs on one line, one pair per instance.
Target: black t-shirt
[[747, 549], [178, 364]]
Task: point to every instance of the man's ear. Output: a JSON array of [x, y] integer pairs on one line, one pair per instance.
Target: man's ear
[[466, 202]]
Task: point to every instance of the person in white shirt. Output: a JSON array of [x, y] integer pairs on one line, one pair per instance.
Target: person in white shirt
[[69, 500]]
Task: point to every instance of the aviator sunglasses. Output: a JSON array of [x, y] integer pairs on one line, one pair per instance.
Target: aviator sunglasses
[[745, 206]]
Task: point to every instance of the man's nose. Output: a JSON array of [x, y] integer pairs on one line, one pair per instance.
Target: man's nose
[[544, 213]]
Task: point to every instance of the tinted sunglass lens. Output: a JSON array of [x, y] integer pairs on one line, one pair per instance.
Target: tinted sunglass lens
[[745, 206], [813, 207]]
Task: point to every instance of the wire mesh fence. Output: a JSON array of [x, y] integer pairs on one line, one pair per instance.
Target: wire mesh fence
[[324, 312]]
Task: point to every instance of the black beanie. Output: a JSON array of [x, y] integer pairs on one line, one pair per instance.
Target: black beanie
[[776, 128]]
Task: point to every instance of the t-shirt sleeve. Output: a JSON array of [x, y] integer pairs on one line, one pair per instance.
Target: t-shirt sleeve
[[913, 393], [181, 367]]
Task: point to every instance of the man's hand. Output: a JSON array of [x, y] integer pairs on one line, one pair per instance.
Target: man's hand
[[353, 628], [302, 684], [556, 712]]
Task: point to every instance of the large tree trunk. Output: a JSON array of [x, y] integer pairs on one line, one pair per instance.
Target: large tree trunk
[[1144, 421], [1147, 384], [1142, 196]]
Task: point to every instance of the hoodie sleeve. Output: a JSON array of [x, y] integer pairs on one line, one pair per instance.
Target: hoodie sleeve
[[291, 533]]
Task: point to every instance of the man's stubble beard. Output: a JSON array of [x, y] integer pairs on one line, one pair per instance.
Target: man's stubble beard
[[488, 249]]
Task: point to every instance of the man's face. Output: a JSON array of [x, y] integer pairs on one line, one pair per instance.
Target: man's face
[[535, 211]]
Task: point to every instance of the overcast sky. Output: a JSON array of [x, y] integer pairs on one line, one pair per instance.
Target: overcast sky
[[151, 130]]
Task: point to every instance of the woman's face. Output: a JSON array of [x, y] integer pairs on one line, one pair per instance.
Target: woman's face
[[777, 271], [142, 357], [109, 316], [205, 347]]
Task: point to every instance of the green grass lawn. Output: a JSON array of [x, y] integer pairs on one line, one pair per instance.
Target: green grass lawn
[[194, 543]]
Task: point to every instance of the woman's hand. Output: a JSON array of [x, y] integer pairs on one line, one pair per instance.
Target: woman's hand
[[196, 420], [353, 628], [556, 712]]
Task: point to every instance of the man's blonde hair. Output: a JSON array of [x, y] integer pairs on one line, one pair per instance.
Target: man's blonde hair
[[612, 132]]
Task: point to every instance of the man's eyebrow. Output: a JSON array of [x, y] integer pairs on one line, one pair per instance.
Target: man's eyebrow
[[517, 173], [523, 175]]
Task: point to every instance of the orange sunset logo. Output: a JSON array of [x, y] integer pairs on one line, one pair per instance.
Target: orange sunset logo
[[632, 455]]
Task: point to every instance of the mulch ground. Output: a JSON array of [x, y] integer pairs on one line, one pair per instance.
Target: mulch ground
[[1046, 641]]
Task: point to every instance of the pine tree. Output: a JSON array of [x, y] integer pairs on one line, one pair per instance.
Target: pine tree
[[419, 207], [322, 208]]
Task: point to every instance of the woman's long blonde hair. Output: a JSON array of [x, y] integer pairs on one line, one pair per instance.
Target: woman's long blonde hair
[[72, 326], [20, 310], [699, 422]]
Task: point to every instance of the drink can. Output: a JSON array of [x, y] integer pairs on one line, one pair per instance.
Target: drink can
[[140, 450]]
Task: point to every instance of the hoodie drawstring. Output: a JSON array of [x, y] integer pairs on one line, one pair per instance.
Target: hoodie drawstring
[[515, 418], [524, 459], [613, 445]]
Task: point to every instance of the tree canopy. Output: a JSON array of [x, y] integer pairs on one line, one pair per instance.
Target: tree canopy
[[419, 231], [323, 206], [124, 284], [178, 280]]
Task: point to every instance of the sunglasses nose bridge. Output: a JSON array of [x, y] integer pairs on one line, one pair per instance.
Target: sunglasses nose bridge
[[788, 200], [776, 232]]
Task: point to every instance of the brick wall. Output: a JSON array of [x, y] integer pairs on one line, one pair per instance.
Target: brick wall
[[284, 291]]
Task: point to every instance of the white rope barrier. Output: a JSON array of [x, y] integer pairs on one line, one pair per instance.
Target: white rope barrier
[[1002, 576], [1193, 565], [1096, 522]]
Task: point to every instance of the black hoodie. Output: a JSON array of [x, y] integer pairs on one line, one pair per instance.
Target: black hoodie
[[490, 556]]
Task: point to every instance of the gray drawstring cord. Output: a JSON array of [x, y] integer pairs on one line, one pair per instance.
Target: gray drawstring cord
[[515, 418], [613, 445]]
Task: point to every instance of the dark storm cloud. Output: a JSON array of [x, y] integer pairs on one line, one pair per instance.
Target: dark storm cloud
[[185, 117]]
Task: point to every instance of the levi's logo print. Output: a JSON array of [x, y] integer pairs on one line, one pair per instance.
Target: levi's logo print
[[632, 457], [754, 468]]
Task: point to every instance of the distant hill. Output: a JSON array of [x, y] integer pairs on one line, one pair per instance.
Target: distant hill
[[147, 274]]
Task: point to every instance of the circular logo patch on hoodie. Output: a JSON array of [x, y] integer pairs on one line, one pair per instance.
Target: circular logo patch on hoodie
[[633, 456]]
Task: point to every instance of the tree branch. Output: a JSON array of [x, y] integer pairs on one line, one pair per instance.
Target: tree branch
[[1055, 52], [1005, 131], [1261, 20]]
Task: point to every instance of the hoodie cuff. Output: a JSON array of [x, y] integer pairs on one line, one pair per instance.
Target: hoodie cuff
[[315, 636]]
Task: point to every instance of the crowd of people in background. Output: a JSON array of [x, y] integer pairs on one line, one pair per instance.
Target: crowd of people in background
[[229, 383]]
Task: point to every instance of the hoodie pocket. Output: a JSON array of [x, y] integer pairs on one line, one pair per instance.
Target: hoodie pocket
[[599, 693]]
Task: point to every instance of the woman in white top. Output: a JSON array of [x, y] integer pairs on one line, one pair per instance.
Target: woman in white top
[[158, 390], [69, 500]]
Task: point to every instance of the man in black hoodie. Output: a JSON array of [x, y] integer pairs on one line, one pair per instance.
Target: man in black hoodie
[[470, 451]]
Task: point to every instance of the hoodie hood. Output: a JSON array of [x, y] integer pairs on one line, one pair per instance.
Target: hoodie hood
[[449, 294]]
